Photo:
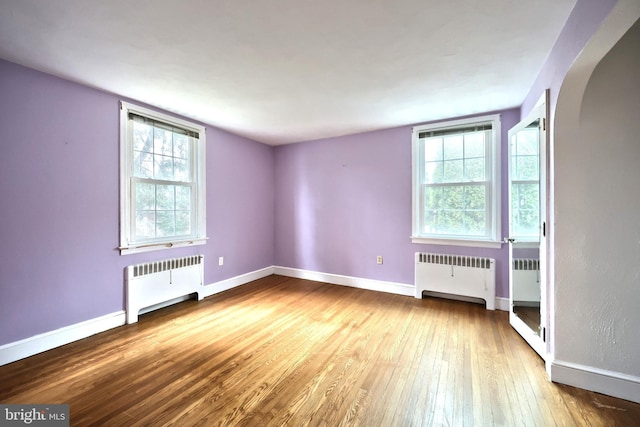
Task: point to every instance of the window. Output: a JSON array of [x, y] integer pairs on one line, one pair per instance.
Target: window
[[525, 183], [162, 181], [456, 186]]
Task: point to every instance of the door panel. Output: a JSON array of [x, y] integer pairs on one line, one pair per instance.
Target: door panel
[[527, 239]]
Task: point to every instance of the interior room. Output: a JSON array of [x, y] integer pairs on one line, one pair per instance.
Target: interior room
[[264, 197]]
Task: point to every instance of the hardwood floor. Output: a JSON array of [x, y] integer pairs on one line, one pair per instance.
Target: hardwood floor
[[282, 351]]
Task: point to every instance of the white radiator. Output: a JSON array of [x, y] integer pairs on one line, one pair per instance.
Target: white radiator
[[456, 275], [526, 281], [156, 282]]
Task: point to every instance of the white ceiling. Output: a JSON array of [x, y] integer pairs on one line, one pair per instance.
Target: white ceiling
[[285, 71]]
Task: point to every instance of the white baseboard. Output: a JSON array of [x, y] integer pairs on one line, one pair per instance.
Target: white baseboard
[[502, 304], [17, 350], [233, 282], [38, 343], [354, 282], [611, 383], [370, 284]]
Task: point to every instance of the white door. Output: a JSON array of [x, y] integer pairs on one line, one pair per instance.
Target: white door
[[527, 228]]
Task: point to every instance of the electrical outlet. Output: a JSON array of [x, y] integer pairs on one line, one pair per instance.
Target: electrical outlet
[[379, 259], [221, 260]]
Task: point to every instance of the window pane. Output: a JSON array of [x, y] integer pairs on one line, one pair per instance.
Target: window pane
[[181, 146], [433, 172], [142, 137], [165, 225], [433, 149], [450, 222], [429, 221], [528, 196], [162, 210], [142, 164], [162, 142], [525, 196], [183, 223], [163, 167], [527, 142], [526, 168], [455, 210], [145, 224], [475, 223], [474, 145], [442, 221], [524, 209], [145, 197], [475, 197], [433, 197], [165, 198], [183, 198], [453, 198], [526, 223], [453, 171], [453, 147], [181, 170], [474, 169]]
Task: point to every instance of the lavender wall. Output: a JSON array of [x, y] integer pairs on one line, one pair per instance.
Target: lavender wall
[[59, 213], [585, 18], [342, 201]]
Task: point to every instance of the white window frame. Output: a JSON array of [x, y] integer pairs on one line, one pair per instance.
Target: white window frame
[[128, 245], [492, 239]]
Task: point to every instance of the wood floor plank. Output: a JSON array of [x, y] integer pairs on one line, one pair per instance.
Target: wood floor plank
[[282, 351]]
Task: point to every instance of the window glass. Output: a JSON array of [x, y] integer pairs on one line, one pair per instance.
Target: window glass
[[456, 188], [525, 184], [162, 180]]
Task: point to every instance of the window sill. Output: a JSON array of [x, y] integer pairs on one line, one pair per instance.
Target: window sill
[[154, 246], [457, 242], [523, 244]]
